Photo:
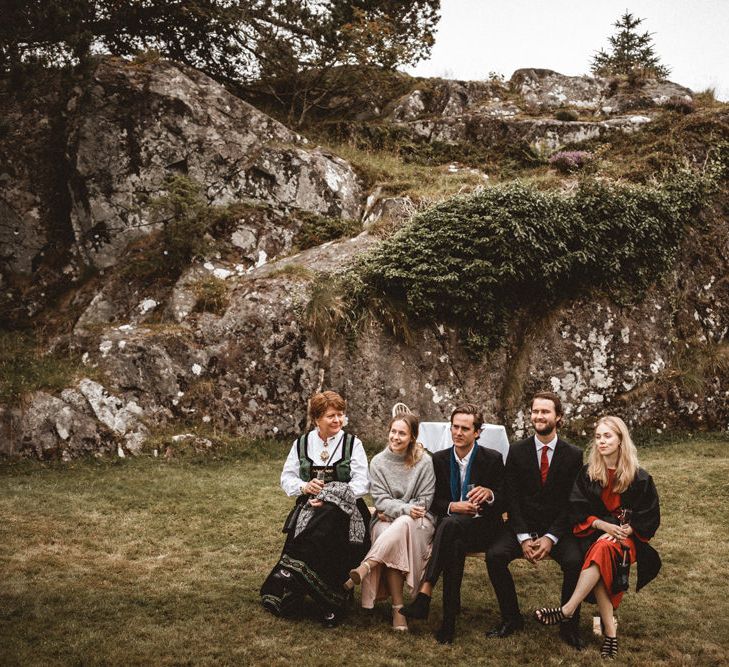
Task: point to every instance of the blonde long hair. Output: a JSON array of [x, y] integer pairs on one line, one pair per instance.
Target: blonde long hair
[[415, 449], [627, 466]]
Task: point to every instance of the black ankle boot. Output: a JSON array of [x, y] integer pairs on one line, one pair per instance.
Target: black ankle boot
[[418, 608]]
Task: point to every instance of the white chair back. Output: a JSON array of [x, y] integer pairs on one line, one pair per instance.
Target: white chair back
[[401, 409]]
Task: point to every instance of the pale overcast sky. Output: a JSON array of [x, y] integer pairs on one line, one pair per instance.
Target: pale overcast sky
[[476, 37]]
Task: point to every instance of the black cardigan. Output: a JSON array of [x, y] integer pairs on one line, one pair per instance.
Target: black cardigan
[[641, 496]]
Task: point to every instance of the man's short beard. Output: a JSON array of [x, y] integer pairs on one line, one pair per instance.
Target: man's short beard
[[546, 430]]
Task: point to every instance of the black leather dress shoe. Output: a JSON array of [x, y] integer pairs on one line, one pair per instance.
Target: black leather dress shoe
[[271, 607], [571, 635], [507, 628], [446, 633], [418, 608]]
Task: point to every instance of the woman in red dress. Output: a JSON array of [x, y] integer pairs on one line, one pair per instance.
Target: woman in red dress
[[610, 483]]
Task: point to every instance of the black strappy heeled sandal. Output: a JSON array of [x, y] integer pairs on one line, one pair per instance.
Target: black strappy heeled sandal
[[609, 648], [551, 616]]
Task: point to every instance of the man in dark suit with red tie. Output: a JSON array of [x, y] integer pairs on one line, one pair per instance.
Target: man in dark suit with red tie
[[540, 472]]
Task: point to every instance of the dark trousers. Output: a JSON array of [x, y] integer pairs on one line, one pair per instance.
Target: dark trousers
[[455, 536], [506, 548]]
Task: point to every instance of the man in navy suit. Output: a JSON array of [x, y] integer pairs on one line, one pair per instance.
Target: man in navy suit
[[540, 473], [467, 519]]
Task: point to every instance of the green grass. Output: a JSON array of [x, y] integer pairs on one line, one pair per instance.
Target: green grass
[[293, 270], [397, 177], [317, 229], [211, 295], [25, 368], [145, 561]]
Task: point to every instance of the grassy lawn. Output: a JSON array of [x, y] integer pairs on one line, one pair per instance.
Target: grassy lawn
[[150, 562]]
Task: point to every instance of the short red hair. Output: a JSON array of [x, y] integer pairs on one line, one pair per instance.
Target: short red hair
[[321, 402]]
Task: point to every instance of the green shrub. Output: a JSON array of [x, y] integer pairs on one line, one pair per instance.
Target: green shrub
[[474, 261], [188, 227], [184, 219]]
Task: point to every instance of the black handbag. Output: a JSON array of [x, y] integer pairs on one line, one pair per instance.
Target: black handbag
[[622, 572]]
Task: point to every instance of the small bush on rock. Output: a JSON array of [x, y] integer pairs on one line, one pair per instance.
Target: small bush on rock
[[211, 295], [679, 104], [568, 161], [185, 217], [187, 228], [567, 115]]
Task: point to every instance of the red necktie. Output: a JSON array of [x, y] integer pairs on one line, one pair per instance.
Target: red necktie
[[544, 465]]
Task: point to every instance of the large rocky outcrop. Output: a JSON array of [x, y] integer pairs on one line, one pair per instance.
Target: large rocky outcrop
[[153, 357], [131, 126], [547, 90], [485, 114], [81, 167], [544, 135], [532, 90], [78, 182]]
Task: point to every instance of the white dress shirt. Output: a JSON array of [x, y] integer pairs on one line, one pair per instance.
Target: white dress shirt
[[292, 484], [550, 453]]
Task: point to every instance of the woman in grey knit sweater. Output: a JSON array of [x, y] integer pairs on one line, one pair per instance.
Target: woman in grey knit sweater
[[402, 487]]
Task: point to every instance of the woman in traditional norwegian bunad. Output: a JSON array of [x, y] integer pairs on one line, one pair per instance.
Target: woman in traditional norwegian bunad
[[326, 532], [402, 488], [615, 509]]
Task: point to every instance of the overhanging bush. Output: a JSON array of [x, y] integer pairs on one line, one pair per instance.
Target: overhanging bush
[[474, 260]]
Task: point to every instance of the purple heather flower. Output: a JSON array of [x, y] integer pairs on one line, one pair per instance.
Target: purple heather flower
[[567, 161]]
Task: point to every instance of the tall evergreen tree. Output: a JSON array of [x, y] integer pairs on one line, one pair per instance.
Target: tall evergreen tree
[[631, 53]]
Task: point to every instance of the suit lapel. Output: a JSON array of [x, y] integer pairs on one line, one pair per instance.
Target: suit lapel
[[533, 462]]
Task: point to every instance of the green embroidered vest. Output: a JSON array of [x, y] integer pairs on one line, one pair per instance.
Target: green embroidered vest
[[342, 471]]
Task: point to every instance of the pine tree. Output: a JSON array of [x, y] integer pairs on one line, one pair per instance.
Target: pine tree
[[631, 53]]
